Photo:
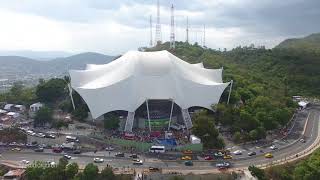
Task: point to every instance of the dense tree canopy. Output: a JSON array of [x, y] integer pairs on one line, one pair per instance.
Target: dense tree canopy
[[43, 116], [52, 90]]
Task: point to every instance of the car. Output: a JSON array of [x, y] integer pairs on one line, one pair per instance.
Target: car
[[67, 156], [51, 136], [237, 152], [186, 158], [137, 162], [187, 152], [110, 148], [51, 163], [268, 155], [135, 156], [119, 154], [302, 140], [40, 149], [218, 154], [227, 156], [273, 147], [98, 160], [252, 153], [12, 144], [188, 163], [153, 169], [16, 149], [41, 135], [77, 151], [25, 161], [57, 150], [221, 165], [208, 158]]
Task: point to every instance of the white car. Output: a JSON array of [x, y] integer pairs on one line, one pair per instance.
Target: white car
[[25, 161], [137, 162], [98, 160], [110, 148], [237, 152], [41, 135], [51, 163], [67, 156], [273, 147]]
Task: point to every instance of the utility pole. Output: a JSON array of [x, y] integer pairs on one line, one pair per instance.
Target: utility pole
[[158, 25], [172, 34], [187, 31], [150, 31]]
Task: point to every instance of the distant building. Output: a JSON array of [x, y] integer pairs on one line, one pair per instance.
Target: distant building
[[13, 114], [8, 107], [36, 107], [19, 107]]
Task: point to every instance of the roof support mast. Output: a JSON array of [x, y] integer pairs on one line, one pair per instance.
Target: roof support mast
[[148, 115], [150, 31]]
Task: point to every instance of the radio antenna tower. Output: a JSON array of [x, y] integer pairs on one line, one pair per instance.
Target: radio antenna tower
[[187, 30], [204, 35], [150, 31], [172, 35], [158, 25]]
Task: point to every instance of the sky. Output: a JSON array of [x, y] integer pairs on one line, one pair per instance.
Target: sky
[[115, 26]]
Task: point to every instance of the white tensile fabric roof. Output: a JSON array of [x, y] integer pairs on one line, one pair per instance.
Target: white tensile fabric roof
[[127, 82]]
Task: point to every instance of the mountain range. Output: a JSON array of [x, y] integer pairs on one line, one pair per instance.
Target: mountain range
[[308, 43], [15, 67]]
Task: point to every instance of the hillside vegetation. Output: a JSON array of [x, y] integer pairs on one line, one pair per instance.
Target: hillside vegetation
[[310, 43], [264, 81]]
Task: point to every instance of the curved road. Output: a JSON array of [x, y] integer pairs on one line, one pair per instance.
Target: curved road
[[289, 148]]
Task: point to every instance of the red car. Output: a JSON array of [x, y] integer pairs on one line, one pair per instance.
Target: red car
[[57, 150], [208, 158]]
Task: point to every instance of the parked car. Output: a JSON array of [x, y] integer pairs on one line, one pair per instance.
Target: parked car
[[57, 150], [134, 156], [110, 148], [98, 160], [119, 154], [227, 156], [208, 158], [16, 149], [187, 152], [237, 152], [40, 149], [302, 140], [273, 147], [218, 154], [77, 151], [67, 156], [51, 136], [153, 169], [221, 165], [252, 153], [41, 135], [186, 158], [268, 155], [188, 163], [137, 162]]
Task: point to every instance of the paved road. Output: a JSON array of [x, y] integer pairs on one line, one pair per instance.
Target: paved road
[[287, 147]]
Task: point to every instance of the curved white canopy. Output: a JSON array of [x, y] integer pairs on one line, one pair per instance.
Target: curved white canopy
[[125, 83]]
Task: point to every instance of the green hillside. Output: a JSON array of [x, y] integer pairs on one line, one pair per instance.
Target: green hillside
[[310, 43]]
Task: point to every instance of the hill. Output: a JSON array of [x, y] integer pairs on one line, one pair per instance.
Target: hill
[[308, 43], [17, 67]]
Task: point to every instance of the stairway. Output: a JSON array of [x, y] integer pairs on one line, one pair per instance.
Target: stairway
[[129, 122], [186, 118]]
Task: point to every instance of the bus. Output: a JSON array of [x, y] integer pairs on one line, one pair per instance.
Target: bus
[[157, 149], [72, 139]]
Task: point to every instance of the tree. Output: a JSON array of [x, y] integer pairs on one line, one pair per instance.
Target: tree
[[90, 172], [43, 116], [71, 170], [204, 128], [258, 173], [107, 174], [51, 90], [254, 134], [111, 121], [237, 137]]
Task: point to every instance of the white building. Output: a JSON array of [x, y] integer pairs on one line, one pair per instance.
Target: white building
[[13, 114], [136, 77], [194, 139], [20, 107], [8, 107], [36, 107]]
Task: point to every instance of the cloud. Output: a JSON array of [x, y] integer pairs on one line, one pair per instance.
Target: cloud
[[116, 26]]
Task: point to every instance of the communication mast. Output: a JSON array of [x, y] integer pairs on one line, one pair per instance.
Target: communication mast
[[158, 25], [187, 31], [150, 31], [204, 35], [172, 34]]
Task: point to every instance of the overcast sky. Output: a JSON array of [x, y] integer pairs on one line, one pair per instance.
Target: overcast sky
[[115, 26]]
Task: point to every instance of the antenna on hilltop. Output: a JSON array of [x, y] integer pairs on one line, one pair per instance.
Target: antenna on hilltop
[[204, 35], [187, 31], [158, 25], [172, 35], [150, 31]]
